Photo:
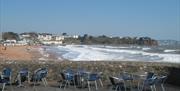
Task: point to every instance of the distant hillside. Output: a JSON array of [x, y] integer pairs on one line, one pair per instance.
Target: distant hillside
[[105, 40], [169, 43]]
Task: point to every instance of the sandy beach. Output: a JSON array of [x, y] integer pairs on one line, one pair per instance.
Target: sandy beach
[[19, 53], [25, 53], [15, 53]]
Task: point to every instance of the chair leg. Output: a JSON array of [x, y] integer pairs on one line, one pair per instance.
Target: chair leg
[[65, 84], [162, 86], [34, 87], [11, 87], [101, 82], [124, 85], [89, 86], [138, 86], [4, 84], [19, 80], [46, 81], [131, 85], [96, 85], [35, 81], [62, 83], [28, 79], [43, 80], [116, 88], [154, 87], [141, 89], [74, 83], [151, 88]]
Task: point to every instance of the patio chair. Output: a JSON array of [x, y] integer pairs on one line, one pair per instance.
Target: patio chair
[[93, 77], [150, 81], [161, 80], [6, 73], [150, 75], [117, 85], [4, 82], [68, 76], [23, 75], [40, 75], [127, 77]]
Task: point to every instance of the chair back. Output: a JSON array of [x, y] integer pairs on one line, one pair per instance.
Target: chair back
[[24, 72], [69, 76], [40, 74], [161, 79], [7, 72], [150, 75], [44, 72], [3, 80], [151, 81], [127, 76], [93, 77], [81, 71], [70, 71], [63, 76], [112, 80]]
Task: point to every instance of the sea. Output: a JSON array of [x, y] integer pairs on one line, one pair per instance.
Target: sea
[[117, 53]]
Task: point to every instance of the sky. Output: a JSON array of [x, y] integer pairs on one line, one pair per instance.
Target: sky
[[159, 19]]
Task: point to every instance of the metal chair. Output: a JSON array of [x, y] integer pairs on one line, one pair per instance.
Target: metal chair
[[4, 82], [6, 73], [23, 76], [68, 76], [127, 77], [117, 85], [93, 77], [161, 80], [6, 78], [149, 81], [40, 75]]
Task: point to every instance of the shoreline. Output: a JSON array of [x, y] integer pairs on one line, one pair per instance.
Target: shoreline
[[45, 53]]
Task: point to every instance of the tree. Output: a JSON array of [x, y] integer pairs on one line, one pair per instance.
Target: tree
[[64, 34], [10, 35]]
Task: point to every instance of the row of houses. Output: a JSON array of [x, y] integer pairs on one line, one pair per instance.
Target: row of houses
[[48, 39], [37, 38]]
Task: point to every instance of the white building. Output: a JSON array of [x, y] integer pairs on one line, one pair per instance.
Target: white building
[[45, 37], [9, 42], [52, 42], [75, 36], [59, 38], [25, 35]]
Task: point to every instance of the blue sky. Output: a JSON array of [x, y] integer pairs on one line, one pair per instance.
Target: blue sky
[[159, 19]]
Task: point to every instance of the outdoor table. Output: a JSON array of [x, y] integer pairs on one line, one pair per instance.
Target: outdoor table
[[139, 77], [80, 78]]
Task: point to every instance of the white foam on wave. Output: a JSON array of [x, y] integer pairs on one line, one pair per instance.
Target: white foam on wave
[[95, 53], [168, 50], [79, 53], [146, 48]]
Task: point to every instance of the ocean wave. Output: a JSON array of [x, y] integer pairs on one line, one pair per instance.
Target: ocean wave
[[114, 53]]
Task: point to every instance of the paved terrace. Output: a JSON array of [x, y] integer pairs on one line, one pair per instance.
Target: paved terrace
[[55, 87]]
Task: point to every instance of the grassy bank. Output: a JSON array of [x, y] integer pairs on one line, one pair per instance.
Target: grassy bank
[[108, 68]]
